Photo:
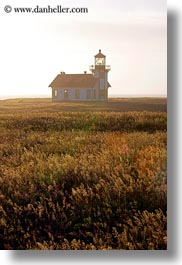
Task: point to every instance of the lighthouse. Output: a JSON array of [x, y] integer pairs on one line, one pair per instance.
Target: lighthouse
[[83, 87], [100, 70]]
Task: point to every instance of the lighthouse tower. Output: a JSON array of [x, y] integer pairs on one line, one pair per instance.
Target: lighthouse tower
[[100, 70]]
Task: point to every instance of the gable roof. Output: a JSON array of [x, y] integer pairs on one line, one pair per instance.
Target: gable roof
[[74, 80]]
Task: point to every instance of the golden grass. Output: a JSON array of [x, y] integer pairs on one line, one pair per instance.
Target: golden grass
[[73, 180], [122, 104]]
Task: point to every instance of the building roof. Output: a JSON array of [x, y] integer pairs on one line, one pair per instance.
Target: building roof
[[74, 80], [100, 55]]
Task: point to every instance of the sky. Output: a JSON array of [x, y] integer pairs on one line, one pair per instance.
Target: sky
[[34, 48]]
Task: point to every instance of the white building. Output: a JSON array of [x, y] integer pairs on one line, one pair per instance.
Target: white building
[[83, 87]]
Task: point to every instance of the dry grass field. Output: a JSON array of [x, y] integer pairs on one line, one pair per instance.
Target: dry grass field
[[83, 176], [114, 104]]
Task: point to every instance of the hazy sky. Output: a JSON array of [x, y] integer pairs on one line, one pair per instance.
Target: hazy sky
[[132, 34]]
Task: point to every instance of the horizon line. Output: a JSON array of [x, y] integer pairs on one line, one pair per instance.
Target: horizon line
[[4, 97]]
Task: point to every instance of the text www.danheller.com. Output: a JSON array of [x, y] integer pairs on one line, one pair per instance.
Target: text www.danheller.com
[[48, 9]]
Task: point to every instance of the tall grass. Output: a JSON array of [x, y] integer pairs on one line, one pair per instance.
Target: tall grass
[[83, 180]]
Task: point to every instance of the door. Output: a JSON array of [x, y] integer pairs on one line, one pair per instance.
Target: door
[[66, 97]]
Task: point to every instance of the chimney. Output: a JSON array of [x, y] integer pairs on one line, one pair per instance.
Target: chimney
[[99, 51], [85, 72]]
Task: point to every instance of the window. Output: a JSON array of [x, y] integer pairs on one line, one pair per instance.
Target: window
[[102, 84], [99, 61], [88, 94], [77, 93], [55, 93]]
